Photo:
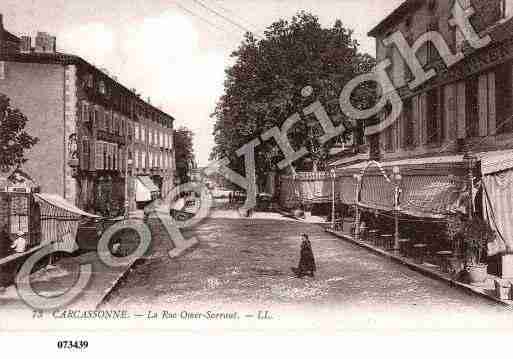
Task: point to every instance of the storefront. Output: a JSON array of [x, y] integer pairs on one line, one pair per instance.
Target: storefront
[[31, 221], [145, 191]]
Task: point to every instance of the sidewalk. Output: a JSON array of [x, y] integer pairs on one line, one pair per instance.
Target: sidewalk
[[56, 279], [486, 289]]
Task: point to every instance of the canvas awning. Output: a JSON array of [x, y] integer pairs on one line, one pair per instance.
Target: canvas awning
[[428, 188], [420, 196], [377, 193], [346, 188], [432, 196], [62, 208], [145, 189], [497, 170], [496, 161], [59, 220]]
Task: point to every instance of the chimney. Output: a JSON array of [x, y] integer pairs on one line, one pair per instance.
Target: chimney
[[26, 44], [1, 32], [45, 43]]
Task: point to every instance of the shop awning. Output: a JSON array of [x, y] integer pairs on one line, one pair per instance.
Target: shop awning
[[59, 220], [432, 196], [61, 207], [346, 188], [420, 196], [377, 193], [427, 188], [145, 189], [496, 161]]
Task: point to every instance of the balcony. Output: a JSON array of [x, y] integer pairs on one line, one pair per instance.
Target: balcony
[[110, 137]]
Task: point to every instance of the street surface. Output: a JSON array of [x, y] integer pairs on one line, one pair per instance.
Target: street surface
[[245, 263]]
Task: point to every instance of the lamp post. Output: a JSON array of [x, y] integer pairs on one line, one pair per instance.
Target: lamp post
[[358, 178], [469, 159], [397, 191], [128, 170], [333, 177]]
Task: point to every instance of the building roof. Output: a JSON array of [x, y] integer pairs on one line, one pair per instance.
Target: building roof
[[403, 9], [68, 59], [7, 36]]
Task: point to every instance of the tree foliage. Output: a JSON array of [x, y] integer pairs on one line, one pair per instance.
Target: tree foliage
[[184, 153], [263, 88], [14, 140]]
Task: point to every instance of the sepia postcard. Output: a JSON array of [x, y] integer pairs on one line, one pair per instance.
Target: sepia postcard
[[255, 166]]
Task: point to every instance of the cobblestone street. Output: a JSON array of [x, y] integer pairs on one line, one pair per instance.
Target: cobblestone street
[[246, 262]]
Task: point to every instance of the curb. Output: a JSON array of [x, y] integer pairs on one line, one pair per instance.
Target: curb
[[469, 289], [117, 280]]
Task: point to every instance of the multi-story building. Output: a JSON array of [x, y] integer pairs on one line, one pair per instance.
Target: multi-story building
[[451, 148], [92, 130]]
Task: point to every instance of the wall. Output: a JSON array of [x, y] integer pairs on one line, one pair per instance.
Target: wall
[[422, 20], [38, 91]]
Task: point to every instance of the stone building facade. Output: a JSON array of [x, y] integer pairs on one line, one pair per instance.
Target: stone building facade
[[87, 123], [453, 140]]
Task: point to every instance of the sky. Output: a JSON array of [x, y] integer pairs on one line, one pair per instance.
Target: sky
[[176, 52]]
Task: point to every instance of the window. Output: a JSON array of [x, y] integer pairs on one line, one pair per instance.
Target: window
[[408, 22], [2, 70], [388, 132], [408, 127], [137, 132], [99, 156], [85, 112], [431, 51], [85, 155], [472, 107], [506, 8], [100, 119], [143, 160], [113, 155], [102, 88], [106, 121], [432, 5], [88, 81], [143, 134], [136, 159], [150, 136], [431, 117]]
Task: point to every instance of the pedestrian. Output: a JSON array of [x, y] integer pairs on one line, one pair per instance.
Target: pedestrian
[[20, 243], [306, 260]]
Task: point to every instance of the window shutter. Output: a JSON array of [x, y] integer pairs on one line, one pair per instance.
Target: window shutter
[[492, 112], [483, 105], [460, 110], [449, 117], [2, 70], [422, 116]]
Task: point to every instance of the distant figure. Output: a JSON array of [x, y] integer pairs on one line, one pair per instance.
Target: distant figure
[[20, 243], [306, 260]]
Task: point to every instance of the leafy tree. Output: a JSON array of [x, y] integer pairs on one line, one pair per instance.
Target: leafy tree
[[184, 153], [263, 88], [14, 141]]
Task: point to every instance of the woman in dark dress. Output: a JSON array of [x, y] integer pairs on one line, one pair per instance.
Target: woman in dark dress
[[306, 260]]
